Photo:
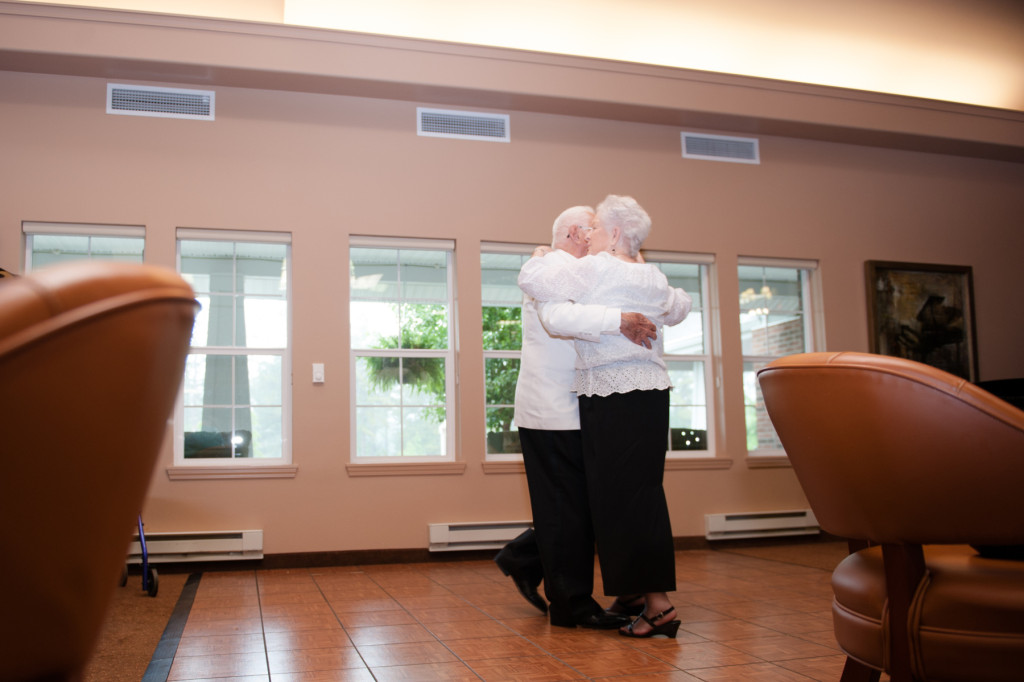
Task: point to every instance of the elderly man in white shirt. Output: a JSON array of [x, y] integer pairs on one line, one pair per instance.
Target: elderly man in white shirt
[[561, 549]]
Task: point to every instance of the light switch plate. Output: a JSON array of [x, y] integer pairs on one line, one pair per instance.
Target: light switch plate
[[318, 372]]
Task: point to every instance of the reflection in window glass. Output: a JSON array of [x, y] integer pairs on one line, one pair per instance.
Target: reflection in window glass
[[688, 363], [236, 375], [773, 323], [502, 342], [49, 249], [688, 413]]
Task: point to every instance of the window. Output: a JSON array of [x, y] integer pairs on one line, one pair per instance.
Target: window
[[688, 357], [235, 407], [776, 319], [50, 243], [502, 343], [402, 349]]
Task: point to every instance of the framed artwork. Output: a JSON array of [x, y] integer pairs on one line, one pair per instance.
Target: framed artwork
[[923, 312]]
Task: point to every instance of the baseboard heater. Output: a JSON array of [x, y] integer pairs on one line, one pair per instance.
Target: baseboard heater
[[229, 545], [450, 537], [760, 524]]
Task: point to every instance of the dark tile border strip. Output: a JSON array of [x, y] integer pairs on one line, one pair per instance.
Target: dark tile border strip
[[160, 665]]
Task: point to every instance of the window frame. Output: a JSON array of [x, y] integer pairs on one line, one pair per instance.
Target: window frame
[[501, 248], [449, 355], [240, 467], [33, 229], [813, 334], [711, 342]]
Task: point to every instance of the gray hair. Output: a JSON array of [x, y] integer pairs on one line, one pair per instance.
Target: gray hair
[[631, 219], [577, 215]]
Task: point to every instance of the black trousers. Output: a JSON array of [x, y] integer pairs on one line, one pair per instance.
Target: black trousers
[[561, 518], [625, 436]]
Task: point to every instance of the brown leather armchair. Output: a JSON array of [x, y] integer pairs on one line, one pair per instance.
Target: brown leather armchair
[[916, 466], [91, 357]]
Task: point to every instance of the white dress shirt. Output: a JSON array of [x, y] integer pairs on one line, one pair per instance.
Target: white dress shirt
[[544, 397], [614, 364]]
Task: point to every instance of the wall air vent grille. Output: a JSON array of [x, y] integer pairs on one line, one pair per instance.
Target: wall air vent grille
[[463, 125], [720, 148], [134, 100]]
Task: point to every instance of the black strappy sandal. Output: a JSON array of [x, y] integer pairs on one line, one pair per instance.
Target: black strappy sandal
[[666, 629]]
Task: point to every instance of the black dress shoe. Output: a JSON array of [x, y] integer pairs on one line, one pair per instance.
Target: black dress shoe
[[526, 587], [599, 620]]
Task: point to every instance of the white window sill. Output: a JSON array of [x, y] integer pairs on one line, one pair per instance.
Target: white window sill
[[691, 463], [407, 469], [187, 473], [768, 462], [671, 464], [504, 467]]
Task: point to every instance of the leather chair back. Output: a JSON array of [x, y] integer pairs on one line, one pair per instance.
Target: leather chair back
[[91, 358], [891, 450]]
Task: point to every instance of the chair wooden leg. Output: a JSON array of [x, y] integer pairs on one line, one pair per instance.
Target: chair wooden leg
[[855, 671], [904, 570]]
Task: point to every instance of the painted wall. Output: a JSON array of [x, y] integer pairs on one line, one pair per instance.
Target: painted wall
[[325, 166]]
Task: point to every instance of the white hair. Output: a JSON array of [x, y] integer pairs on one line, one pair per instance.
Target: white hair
[[577, 215], [632, 220]]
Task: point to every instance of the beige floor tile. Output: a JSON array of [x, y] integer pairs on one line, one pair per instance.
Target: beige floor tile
[[382, 603], [674, 676], [199, 613], [309, 660], [721, 630], [615, 663], [696, 614], [449, 614], [279, 598], [691, 657], [778, 648], [524, 669], [580, 641], [390, 634], [823, 669], [218, 665], [755, 672], [232, 678], [467, 629], [288, 640], [220, 644], [413, 653], [795, 623], [348, 675], [212, 628], [455, 671], [327, 621], [826, 638], [320, 608], [363, 619], [492, 647], [446, 600]]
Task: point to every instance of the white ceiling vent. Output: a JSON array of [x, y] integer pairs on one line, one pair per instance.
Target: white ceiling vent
[[136, 100], [720, 148], [464, 125]]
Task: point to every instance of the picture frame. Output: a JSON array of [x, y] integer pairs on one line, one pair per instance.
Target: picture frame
[[923, 312]]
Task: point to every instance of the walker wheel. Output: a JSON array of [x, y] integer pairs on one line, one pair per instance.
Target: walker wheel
[[154, 582]]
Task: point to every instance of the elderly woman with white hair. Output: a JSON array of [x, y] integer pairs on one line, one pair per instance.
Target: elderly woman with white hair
[[623, 391]]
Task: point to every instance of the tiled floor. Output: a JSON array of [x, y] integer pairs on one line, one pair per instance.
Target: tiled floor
[[743, 618]]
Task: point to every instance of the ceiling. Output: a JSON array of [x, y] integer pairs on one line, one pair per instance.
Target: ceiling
[[947, 50]]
